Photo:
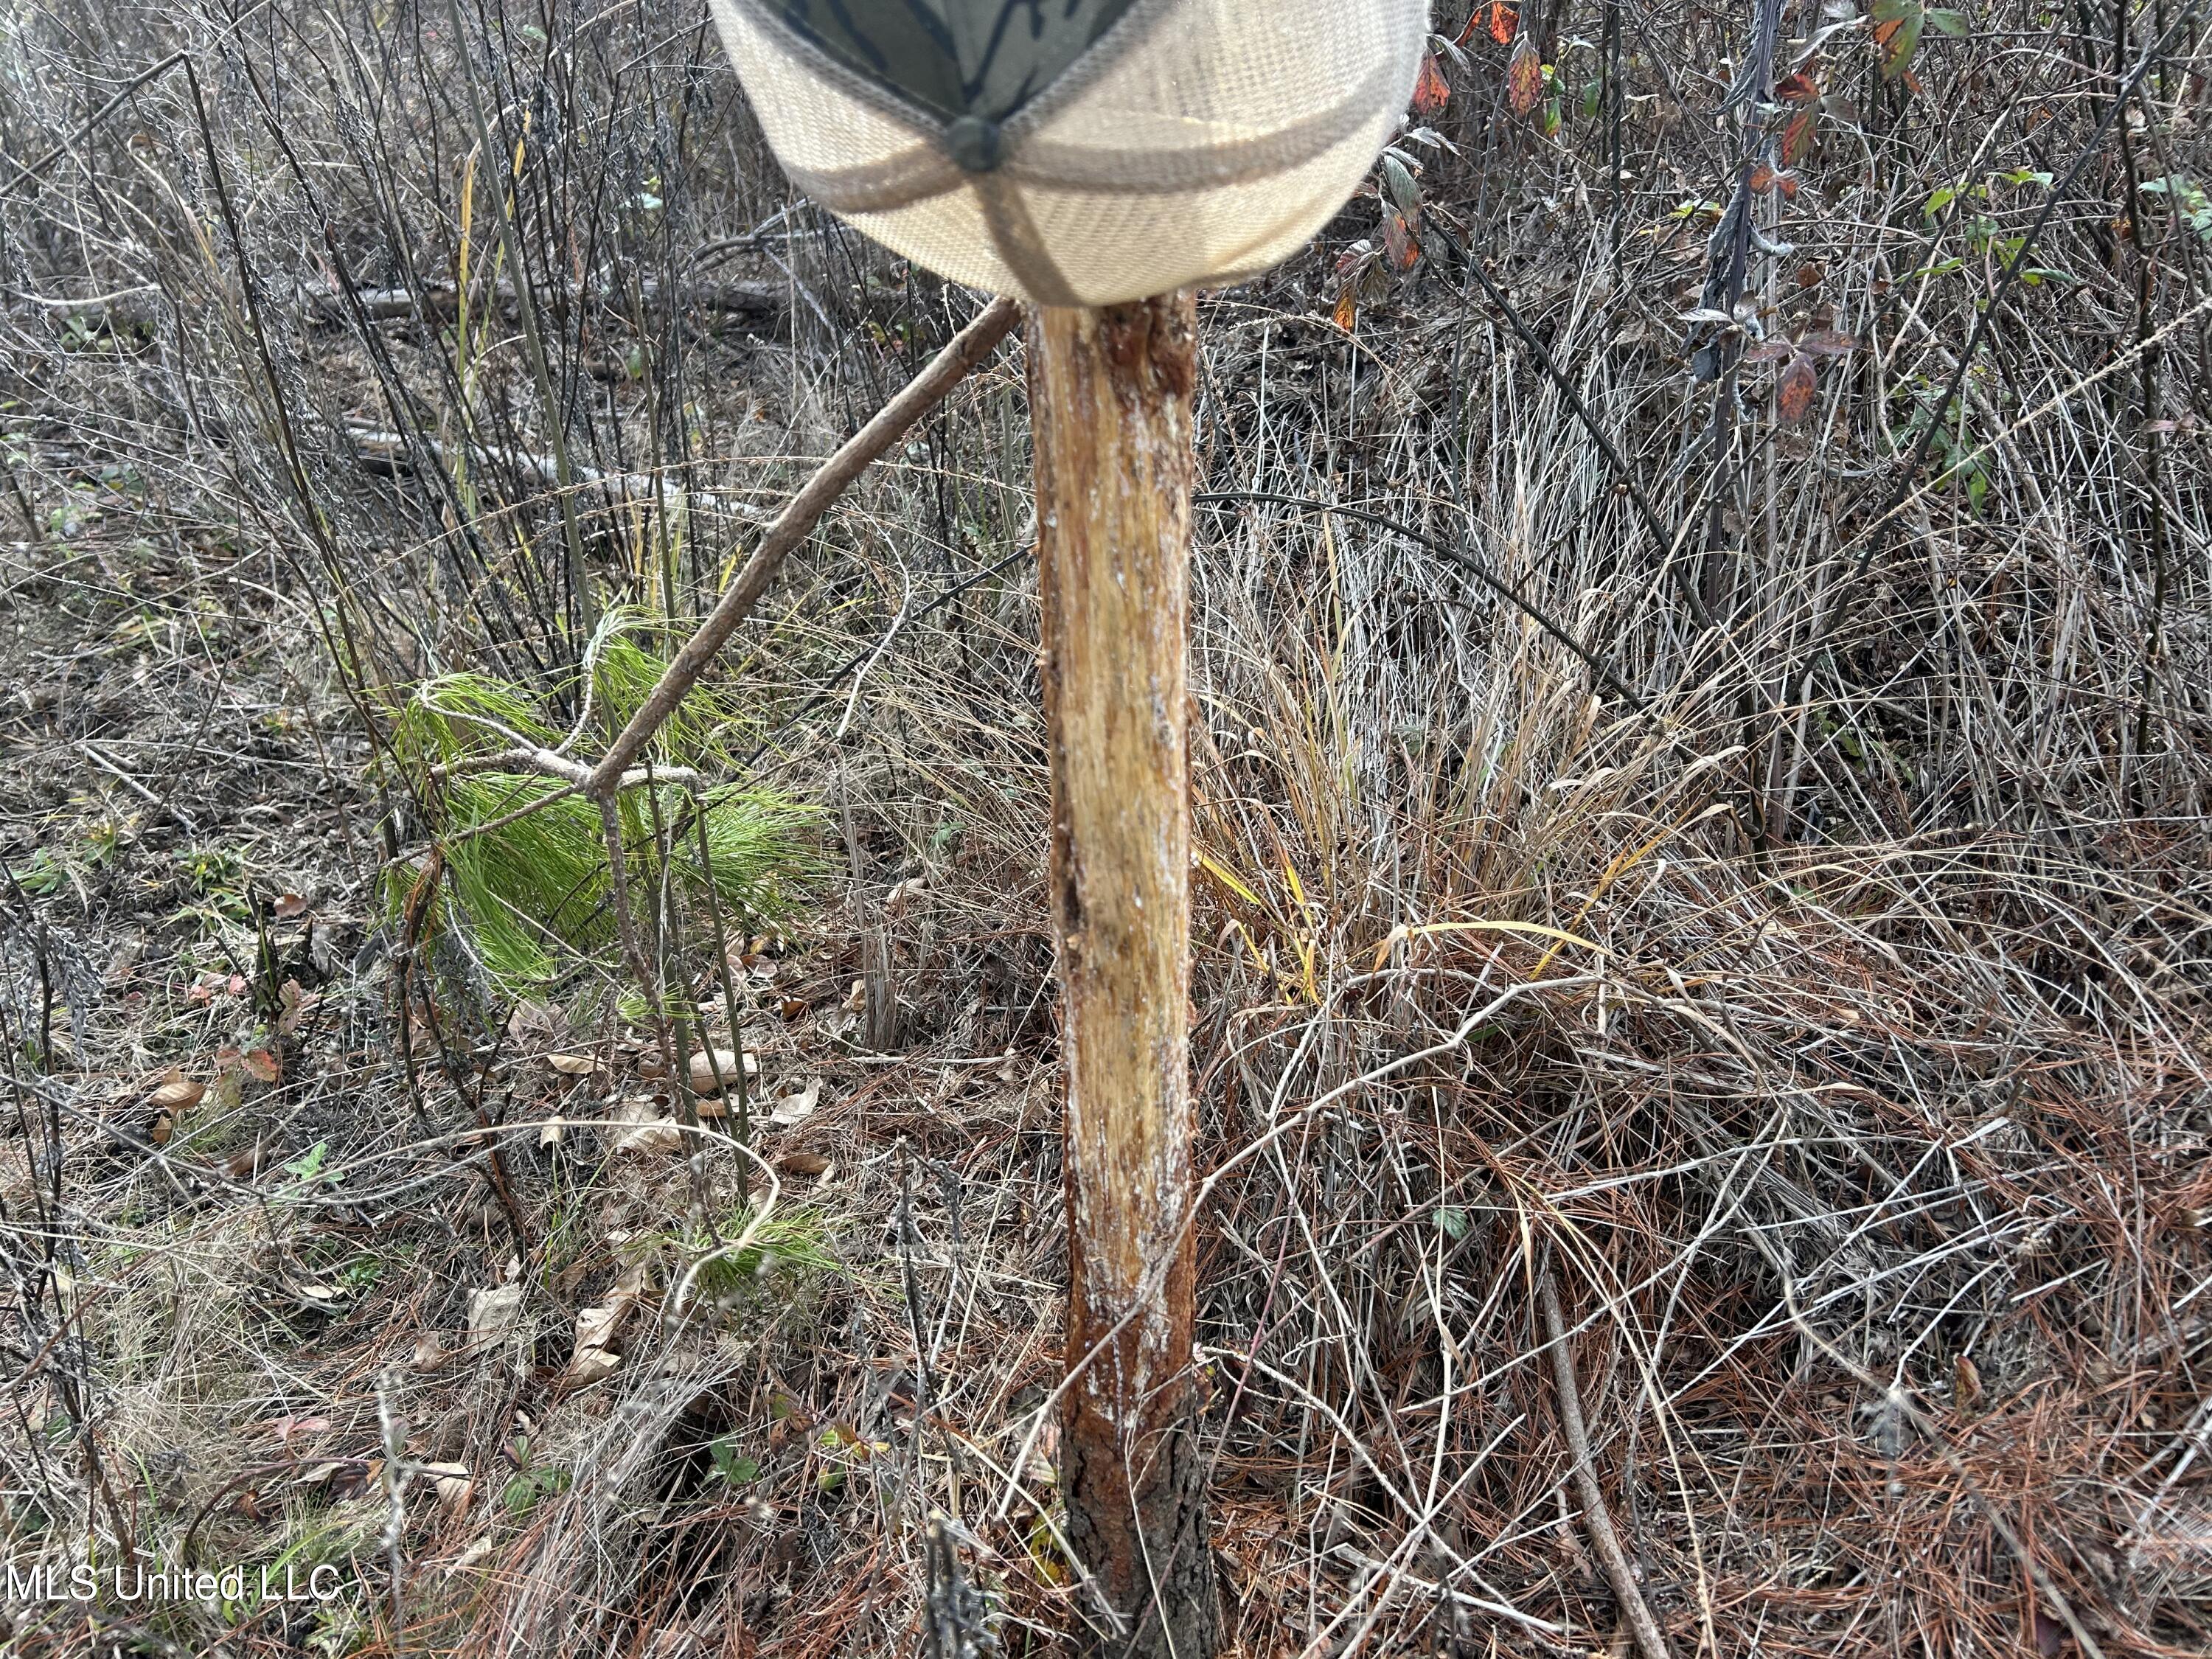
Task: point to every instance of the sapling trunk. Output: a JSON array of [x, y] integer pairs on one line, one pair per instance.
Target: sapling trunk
[[1110, 405]]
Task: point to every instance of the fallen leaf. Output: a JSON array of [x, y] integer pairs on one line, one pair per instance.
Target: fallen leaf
[[791, 1007], [644, 1129], [165, 1125], [451, 1480], [704, 1067], [469, 1556], [590, 1366], [796, 1108], [493, 1313], [1967, 1380], [572, 1064], [805, 1164], [596, 1326], [289, 905], [431, 1351], [177, 1093], [262, 1064], [286, 1429], [1347, 308]]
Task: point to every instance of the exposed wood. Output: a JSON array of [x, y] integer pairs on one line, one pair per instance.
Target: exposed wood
[[1110, 410]]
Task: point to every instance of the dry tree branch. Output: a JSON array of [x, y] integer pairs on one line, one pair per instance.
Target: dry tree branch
[[1597, 1521], [962, 354]]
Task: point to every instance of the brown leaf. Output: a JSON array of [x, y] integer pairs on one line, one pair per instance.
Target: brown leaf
[[572, 1064], [1347, 307], [1525, 77], [1430, 90], [1810, 276], [290, 905], [296, 1006], [705, 1066], [792, 1008], [164, 1126], [643, 1129], [796, 1108], [176, 1093], [1797, 88], [1966, 1380], [1793, 397], [492, 1312], [263, 1064], [804, 1164]]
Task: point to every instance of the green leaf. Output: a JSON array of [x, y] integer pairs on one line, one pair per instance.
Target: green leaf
[[1953, 23], [1897, 25], [1452, 1222], [1399, 177]]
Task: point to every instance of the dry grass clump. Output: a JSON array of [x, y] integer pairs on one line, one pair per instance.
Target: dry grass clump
[[1713, 879]]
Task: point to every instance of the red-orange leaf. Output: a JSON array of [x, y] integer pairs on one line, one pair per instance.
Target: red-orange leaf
[[1793, 396], [1797, 88], [1398, 242], [1797, 137], [1525, 77], [1430, 92], [1347, 307], [1496, 16]]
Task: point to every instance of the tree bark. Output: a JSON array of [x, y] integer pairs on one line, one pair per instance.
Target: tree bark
[[1110, 407]]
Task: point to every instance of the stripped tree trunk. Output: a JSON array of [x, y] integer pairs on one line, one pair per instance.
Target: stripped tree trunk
[[1110, 405]]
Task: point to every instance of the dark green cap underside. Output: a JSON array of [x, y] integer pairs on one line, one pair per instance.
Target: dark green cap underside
[[970, 63]]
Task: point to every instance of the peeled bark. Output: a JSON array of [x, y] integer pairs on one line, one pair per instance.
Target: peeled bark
[[1110, 406]]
